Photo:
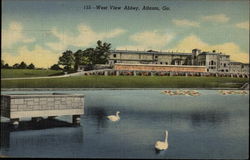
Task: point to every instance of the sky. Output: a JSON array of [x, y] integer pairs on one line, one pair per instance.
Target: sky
[[38, 31]]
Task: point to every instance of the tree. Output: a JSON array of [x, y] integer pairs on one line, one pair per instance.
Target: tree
[[15, 66], [22, 65], [6, 66], [82, 58], [102, 51], [31, 66], [67, 60], [89, 57], [55, 67], [100, 54]]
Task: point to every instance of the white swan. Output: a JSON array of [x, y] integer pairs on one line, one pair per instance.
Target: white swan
[[114, 117], [162, 145]]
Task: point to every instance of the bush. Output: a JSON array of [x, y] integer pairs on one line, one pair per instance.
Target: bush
[[55, 67]]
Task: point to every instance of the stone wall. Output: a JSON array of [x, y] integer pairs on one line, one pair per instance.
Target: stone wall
[[153, 67], [17, 106]]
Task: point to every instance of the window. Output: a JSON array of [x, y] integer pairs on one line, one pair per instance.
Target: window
[[225, 64], [114, 55], [156, 56], [115, 61], [166, 63], [226, 70], [160, 62], [212, 63]]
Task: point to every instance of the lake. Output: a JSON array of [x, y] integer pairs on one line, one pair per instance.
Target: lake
[[207, 126]]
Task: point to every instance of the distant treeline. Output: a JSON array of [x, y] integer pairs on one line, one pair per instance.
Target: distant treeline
[[70, 61], [22, 65]]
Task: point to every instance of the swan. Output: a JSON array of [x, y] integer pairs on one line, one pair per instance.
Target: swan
[[162, 145], [114, 117]]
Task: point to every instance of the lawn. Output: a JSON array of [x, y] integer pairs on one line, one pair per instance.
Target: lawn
[[127, 82], [17, 73]]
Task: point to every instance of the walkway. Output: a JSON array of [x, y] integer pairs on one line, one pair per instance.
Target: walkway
[[36, 77]]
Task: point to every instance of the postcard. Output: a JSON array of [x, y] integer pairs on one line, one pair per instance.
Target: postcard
[[153, 79]]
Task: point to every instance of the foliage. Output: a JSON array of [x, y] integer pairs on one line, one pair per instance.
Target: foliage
[[88, 57], [6, 66], [55, 67], [31, 66], [67, 60], [82, 57], [22, 65], [101, 53], [16, 66]]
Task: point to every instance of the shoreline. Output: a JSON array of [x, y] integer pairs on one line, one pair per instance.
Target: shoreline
[[122, 82], [82, 89]]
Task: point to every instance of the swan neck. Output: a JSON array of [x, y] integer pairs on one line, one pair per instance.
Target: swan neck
[[166, 138], [117, 114]]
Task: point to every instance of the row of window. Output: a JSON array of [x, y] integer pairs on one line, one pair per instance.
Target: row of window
[[202, 63], [166, 63], [211, 67], [225, 70], [212, 63], [223, 64], [114, 55]]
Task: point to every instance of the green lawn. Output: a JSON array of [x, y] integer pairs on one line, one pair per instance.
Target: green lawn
[[127, 82], [17, 73]]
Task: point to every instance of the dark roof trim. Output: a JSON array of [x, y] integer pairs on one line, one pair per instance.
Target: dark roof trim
[[153, 52]]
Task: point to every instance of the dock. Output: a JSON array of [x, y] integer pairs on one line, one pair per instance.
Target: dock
[[36, 106]]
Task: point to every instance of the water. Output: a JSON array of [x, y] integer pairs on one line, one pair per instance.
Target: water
[[206, 126]]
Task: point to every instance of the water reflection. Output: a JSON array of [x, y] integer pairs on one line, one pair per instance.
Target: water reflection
[[160, 153], [197, 118], [99, 113], [207, 118], [22, 134]]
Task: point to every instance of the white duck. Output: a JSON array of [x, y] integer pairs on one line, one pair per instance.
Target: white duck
[[162, 145], [114, 117]]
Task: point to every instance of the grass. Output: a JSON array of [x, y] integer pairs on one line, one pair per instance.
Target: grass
[[127, 82], [18, 73]]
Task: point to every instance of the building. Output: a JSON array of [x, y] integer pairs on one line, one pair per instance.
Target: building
[[238, 67], [213, 61], [150, 57]]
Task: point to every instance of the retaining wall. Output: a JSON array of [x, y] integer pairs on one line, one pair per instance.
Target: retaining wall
[[155, 67]]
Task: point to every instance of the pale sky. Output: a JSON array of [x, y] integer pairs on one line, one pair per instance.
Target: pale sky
[[38, 31]]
